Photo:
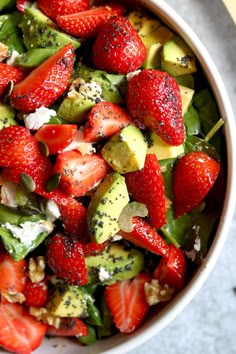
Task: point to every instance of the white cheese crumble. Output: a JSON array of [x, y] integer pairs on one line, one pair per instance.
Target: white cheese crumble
[[130, 75], [37, 119], [28, 231], [197, 244], [8, 194], [116, 237], [79, 144], [103, 274], [11, 60], [89, 90], [52, 211]]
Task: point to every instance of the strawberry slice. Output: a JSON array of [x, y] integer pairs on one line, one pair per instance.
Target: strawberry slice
[[56, 136], [194, 176], [79, 173], [9, 73], [12, 274], [153, 99], [104, 120], [172, 270], [147, 187], [65, 257], [118, 47], [92, 248], [127, 302], [69, 327], [19, 332], [45, 83], [62, 7], [143, 235], [88, 23], [36, 294]]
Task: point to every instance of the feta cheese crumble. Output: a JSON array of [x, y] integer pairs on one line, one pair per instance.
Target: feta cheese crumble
[[89, 90], [103, 274], [37, 119], [28, 231], [11, 60], [52, 211]]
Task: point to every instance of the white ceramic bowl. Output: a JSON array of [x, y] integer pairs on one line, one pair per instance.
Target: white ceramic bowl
[[121, 344]]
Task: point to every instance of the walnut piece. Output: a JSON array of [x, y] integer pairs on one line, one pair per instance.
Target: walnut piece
[[37, 269], [155, 292], [3, 51], [13, 297], [42, 314]]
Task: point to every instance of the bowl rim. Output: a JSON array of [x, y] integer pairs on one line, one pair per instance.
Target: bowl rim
[[169, 313]]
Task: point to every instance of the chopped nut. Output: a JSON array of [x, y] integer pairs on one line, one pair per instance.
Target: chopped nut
[[42, 314], [168, 203], [37, 269], [14, 297], [155, 292], [3, 51]]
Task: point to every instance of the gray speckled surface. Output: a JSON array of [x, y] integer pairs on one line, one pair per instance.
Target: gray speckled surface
[[208, 324]]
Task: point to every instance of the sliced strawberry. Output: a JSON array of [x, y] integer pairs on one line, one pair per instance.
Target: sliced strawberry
[[62, 7], [9, 73], [143, 235], [23, 4], [104, 120], [92, 248], [194, 176], [45, 83], [118, 47], [127, 302], [172, 270], [56, 136], [65, 257], [79, 173], [17, 147], [69, 327], [153, 98], [147, 186], [36, 294], [88, 23], [12, 274], [19, 332]]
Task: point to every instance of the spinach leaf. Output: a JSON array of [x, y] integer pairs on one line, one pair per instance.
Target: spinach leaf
[[193, 143], [192, 121], [10, 33]]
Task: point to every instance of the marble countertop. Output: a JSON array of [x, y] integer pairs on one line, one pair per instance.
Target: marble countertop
[[208, 324]]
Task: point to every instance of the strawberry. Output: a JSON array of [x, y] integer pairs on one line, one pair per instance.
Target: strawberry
[[23, 4], [153, 98], [56, 136], [65, 257], [12, 274], [118, 47], [79, 173], [146, 186], [104, 120], [62, 7], [88, 23], [45, 83], [193, 177], [9, 73], [143, 235], [127, 302], [36, 294], [92, 248], [172, 270], [69, 327], [19, 332]]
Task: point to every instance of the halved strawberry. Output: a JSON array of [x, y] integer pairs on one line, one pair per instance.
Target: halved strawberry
[[69, 327], [79, 173], [88, 23], [147, 186], [127, 302], [65, 257], [36, 294], [143, 235], [104, 120], [194, 176], [19, 332], [118, 47], [12, 274], [62, 7], [92, 248], [45, 83], [9, 73], [56, 136]]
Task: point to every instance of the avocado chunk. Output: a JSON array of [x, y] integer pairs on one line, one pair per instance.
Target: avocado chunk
[[68, 301], [34, 57], [10, 33], [177, 57], [161, 149], [116, 262], [105, 207], [185, 80], [126, 150], [7, 115], [143, 22], [40, 32], [186, 97]]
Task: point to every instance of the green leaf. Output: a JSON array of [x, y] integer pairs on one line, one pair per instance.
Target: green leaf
[[192, 121], [7, 4], [193, 143], [10, 33]]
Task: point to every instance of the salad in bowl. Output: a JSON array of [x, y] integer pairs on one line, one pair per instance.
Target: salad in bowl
[[113, 170]]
